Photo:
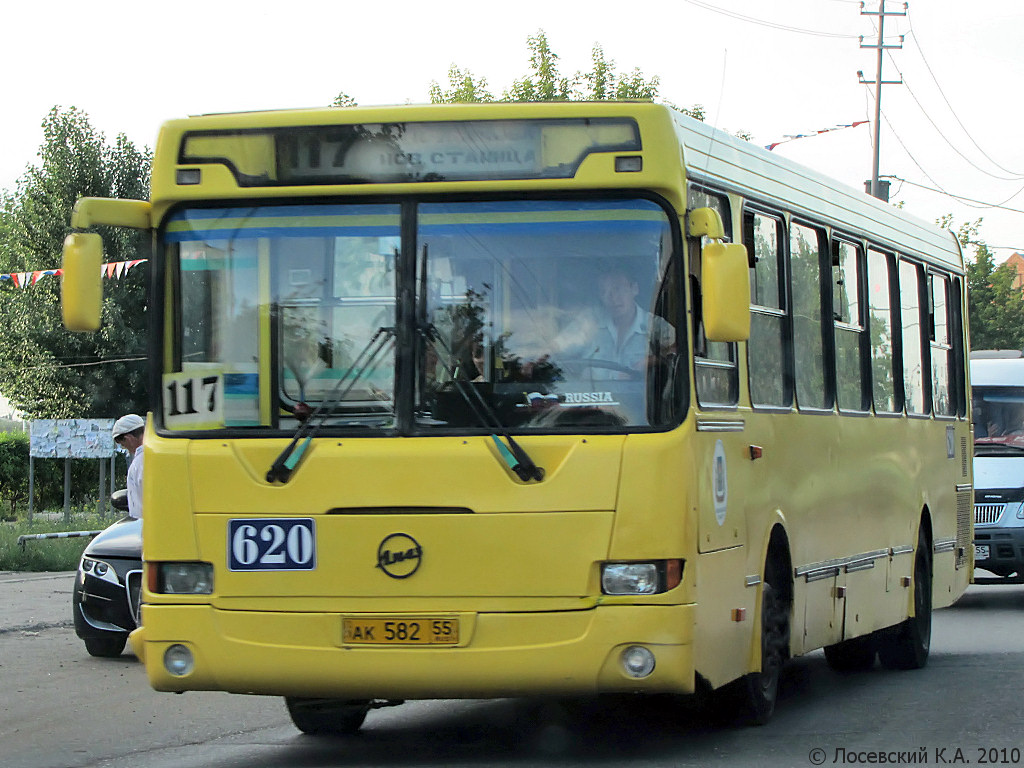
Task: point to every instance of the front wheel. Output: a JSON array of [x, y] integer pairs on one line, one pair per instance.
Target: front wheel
[[761, 689], [105, 647], [334, 717], [906, 645]]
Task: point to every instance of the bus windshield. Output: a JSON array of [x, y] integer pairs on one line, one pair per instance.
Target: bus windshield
[[550, 315]]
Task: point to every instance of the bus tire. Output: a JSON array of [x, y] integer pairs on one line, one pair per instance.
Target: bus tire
[[327, 717], [760, 690], [906, 645], [856, 655]]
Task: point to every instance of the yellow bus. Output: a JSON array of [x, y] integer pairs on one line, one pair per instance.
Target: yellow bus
[[532, 399]]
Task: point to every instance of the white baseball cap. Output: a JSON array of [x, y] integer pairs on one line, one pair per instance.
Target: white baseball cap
[[126, 424]]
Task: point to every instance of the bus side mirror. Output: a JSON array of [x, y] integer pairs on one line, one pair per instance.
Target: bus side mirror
[[725, 291], [81, 295]]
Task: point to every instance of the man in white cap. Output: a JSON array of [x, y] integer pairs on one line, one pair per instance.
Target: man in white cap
[[127, 433]]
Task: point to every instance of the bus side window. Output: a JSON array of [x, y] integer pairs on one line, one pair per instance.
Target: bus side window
[[914, 383], [715, 363], [848, 313], [805, 249], [943, 383], [883, 352], [959, 369], [768, 350]]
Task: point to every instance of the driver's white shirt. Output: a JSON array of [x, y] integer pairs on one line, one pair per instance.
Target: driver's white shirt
[[637, 343]]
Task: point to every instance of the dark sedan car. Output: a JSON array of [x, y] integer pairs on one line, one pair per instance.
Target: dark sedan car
[[108, 587]]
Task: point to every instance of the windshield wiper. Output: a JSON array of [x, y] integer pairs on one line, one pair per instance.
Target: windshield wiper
[[513, 454], [283, 466], [517, 459]]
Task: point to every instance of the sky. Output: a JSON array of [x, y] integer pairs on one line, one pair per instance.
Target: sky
[[770, 68]]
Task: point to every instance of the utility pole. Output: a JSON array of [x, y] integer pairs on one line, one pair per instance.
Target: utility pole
[[874, 187]]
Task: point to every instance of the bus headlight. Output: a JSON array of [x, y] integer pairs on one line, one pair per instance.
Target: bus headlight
[[178, 660], [637, 661], [648, 578], [181, 578]]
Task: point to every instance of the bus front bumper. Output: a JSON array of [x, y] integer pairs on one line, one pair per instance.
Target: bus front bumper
[[499, 655]]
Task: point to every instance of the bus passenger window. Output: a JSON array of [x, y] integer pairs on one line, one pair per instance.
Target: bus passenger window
[[847, 309], [767, 349], [943, 386], [913, 351], [883, 355], [716, 368], [808, 347]]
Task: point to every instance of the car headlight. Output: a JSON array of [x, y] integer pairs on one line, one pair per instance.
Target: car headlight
[[649, 578], [181, 578], [99, 569]]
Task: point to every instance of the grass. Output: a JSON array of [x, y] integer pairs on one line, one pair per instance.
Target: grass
[[46, 554]]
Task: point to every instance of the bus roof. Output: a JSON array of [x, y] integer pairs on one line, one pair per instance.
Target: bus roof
[[715, 156]]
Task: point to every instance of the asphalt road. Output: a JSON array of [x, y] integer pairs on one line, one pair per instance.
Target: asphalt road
[[60, 708]]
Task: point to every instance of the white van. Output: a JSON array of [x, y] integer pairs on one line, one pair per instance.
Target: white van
[[997, 386]]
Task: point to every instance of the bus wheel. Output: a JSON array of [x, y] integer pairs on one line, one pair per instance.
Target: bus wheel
[[337, 717], [856, 655], [906, 645], [761, 689]]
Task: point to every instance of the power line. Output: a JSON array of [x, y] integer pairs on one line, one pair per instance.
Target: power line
[[83, 365], [765, 23], [980, 203], [943, 136], [951, 110]]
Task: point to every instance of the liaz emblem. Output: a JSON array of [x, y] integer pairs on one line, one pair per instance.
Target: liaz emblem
[[399, 555]]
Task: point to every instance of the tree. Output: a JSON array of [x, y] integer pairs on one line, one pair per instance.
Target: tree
[[463, 88], [545, 82], [995, 307], [46, 371]]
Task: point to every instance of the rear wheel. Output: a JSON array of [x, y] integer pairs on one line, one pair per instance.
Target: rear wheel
[[338, 717], [856, 655], [105, 647], [906, 645]]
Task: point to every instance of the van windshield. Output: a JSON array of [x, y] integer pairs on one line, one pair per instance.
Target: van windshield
[[998, 420]]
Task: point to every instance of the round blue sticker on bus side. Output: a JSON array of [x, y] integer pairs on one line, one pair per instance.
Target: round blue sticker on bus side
[[719, 483]]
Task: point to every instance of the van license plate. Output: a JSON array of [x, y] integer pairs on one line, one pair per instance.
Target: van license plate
[[981, 551], [394, 630]]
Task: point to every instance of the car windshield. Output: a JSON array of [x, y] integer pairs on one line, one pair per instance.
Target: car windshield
[[525, 315]]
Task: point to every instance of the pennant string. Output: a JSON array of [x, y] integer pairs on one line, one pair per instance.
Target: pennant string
[[793, 137], [112, 269]]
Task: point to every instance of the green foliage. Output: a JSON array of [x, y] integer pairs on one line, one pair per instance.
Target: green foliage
[[995, 306], [14, 469], [343, 100], [463, 88], [545, 82], [49, 478], [46, 554], [46, 371]]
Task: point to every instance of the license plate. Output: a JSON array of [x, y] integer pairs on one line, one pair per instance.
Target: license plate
[[981, 551], [405, 630]]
